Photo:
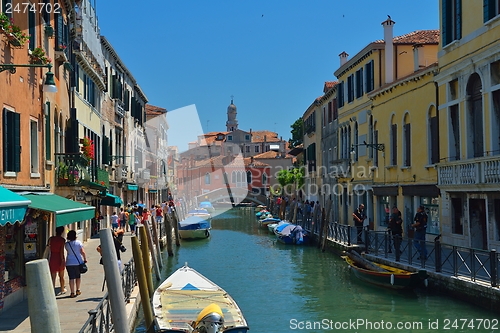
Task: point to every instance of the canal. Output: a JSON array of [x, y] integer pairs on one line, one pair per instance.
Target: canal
[[290, 288]]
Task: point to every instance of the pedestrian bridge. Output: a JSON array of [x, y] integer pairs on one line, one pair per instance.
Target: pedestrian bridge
[[238, 194]]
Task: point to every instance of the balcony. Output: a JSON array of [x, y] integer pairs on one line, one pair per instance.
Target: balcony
[[73, 170], [119, 107], [479, 171]]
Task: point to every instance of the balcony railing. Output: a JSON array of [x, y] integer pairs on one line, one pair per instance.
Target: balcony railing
[[477, 171], [73, 170]]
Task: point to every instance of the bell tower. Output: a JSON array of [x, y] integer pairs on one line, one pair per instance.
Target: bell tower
[[232, 122]]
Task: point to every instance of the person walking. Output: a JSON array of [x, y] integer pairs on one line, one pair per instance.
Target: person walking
[[57, 262], [158, 214], [420, 226], [123, 219], [395, 229], [114, 221], [75, 256], [358, 218]]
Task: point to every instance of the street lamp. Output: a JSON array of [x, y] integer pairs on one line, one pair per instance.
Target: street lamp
[[377, 146], [88, 196], [49, 85]]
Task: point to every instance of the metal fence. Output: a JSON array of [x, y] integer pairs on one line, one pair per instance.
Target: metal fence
[[99, 320], [475, 264]]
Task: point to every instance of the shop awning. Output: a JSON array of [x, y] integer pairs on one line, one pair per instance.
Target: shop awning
[[12, 207], [111, 200], [132, 187], [67, 211]]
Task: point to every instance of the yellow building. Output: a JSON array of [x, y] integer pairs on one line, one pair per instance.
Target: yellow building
[[362, 129], [469, 123]]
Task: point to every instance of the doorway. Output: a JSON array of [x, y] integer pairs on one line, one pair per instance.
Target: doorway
[[477, 218]]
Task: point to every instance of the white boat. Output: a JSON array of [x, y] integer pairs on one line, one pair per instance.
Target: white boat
[[189, 302], [194, 226], [201, 212]]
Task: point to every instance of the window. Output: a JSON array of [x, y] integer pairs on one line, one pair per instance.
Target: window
[[11, 132], [394, 144], [475, 129], [434, 136], [233, 177], [249, 177], [207, 178], [407, 142], [48, 132], [457, 216], [359, 83], [356, 147], [350, 88], [34, 146], [32, 28], [264, 179], [384, 211], [375, 142], [335, 110], [7, 4], [491, 9], [256, 149], [247, 149], [330, 112], [496, 122], [229, 138], [247, 137], [46, 12], [455, 133], [451, 28], [369, 76], [324, 116], [340, 94], [496, 204], [431, 206]]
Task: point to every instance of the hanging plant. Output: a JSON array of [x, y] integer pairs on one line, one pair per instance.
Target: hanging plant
[[88, 149]]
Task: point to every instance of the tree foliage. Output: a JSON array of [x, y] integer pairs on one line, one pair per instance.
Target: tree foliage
[[297, 134], [294, 177]]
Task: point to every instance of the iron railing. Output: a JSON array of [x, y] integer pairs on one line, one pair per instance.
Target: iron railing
[[477, 265], [99, 320]]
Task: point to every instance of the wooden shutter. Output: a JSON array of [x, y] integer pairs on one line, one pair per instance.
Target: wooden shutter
[[16, 122], [407, 145], [127, 100], [335, 110], [394, 145], [434, 140], [46, 13], [458, 19], [6, 142], [105, 150], [48, 150], [488, 10]]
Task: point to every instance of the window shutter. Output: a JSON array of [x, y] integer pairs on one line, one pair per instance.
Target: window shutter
[[59, 28], [48, 151], [105, 150], [6, 142], [486, 10], [458, 7], [394, 150], [16, 117], [407, 144], [434, 140], [127, 100]]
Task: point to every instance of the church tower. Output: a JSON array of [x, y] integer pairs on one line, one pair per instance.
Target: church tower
[[231, 123]]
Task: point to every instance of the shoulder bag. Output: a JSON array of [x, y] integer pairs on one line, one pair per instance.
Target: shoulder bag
[[82, 265]]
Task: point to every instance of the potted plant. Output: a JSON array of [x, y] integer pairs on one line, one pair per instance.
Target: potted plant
[[62, 174], [38, 56], [88, 149], [17, 37], [5, 23]]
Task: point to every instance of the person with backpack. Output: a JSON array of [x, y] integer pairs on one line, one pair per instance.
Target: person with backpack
[[395, 229], [420, 226]]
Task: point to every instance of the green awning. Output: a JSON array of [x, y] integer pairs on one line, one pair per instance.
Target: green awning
[[12, 207], [153, 191], [111, 200], [67, 211], [132, 187]]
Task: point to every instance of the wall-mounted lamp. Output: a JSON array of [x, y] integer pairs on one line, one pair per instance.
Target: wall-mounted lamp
[[377, 146], [89, 196], [49, 85]]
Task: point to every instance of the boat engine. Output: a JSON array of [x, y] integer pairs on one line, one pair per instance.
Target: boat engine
[[210, 320]]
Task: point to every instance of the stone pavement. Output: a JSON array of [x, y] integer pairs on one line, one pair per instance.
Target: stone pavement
[[73, 312]]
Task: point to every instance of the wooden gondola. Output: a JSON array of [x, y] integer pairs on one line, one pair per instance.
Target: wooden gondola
[[383, 275]]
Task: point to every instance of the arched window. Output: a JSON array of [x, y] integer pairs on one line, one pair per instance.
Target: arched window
[[249, 177], [238, 177], [475, 130], [356, 150], [407, 141], [264, 179], [233, 177], [433, 142], [207, 178]]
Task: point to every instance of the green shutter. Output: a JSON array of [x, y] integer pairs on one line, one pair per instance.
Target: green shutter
[[105, 150], [5, 131], [48, 151], [444, 22], [16, 117], [32, 28], [458, 5], [486, 10]]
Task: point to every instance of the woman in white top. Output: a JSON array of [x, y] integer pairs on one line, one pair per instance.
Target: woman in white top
[[75, 256]]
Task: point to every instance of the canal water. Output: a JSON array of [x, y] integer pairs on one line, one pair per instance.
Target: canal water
[[284, 288]]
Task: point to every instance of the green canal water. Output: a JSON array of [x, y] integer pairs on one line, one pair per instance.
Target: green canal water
[[290, 288]]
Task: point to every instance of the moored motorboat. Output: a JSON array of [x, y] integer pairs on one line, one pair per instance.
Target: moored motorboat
[[383, 275], [269, 220], [273, 226], [208, 206], [189, 302], [194, 227], [289, 233], [201, 212]]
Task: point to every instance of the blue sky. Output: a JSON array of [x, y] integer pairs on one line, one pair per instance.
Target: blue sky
[[273, 56]]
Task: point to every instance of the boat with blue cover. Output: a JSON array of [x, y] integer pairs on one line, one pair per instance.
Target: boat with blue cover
[[289, 233], [194, 227], [268, 220]]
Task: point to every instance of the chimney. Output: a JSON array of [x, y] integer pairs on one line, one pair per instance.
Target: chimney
[[418, 57], [343, 58], [389, 49]]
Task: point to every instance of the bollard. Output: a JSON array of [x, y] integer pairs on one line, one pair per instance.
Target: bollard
[[41, 292], [175, 222], [145, 260], [113, 281], [157, 242], [143, 284], [153, 250]]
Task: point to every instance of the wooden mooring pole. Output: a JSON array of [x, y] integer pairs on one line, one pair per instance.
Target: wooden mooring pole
[[145, 259], [326, 222], [175, 222], [168, 233], [156, 239], [152, 249]]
